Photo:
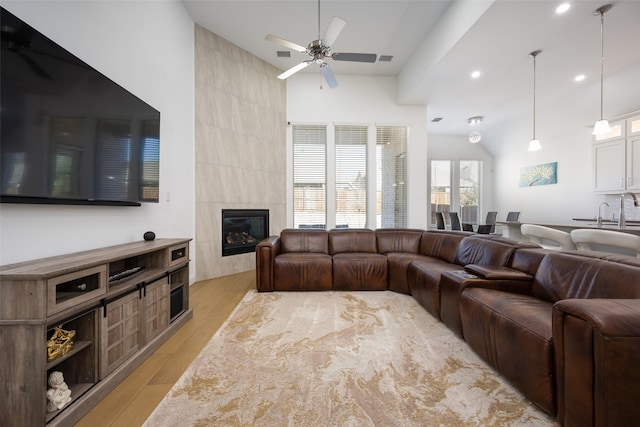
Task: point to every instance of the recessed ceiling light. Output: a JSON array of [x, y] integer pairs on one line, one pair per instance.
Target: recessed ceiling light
[[579, 78], [563, 8], [475, 74]]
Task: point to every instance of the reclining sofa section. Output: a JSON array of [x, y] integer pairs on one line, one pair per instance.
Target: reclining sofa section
[[563, 328]]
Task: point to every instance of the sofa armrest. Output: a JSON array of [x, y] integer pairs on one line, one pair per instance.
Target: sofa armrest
[[453, 283], [266, 252], [597, 355], [494, 272]]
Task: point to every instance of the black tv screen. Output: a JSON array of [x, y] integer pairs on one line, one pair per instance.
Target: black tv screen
[[68, 133]]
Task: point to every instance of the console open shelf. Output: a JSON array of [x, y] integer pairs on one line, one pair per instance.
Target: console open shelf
[[117, 323]]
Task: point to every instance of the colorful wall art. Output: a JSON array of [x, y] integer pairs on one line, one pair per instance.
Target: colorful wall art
[[544, 174]]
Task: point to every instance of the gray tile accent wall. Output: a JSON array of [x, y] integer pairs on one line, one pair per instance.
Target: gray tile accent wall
[[240, 150]]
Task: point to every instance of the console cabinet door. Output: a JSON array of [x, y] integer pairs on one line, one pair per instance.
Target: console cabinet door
[[156, 308], [120, 332]]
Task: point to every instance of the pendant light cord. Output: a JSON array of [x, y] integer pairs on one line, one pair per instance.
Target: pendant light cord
[[534, 94], [534, 54], [601, 11], [601, 64]]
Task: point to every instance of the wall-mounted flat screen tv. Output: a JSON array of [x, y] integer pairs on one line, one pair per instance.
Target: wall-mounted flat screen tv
[[68, 133]]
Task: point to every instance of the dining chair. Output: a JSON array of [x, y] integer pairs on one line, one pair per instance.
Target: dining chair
[[489, 225], [606, 241], [439, 221], [547, 237], [513, 216], [455, 221]]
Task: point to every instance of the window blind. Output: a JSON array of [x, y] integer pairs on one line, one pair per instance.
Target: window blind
[[351, 176], [309, 176], [391, 176]]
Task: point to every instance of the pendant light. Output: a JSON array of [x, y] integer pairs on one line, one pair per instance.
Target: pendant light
[[602, 125], [534, 144]]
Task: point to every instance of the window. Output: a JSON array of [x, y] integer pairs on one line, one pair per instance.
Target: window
[[391, 177], [440, 188], [351, 176], [469, 189], [455, 187], [309, 176], [332, 185]]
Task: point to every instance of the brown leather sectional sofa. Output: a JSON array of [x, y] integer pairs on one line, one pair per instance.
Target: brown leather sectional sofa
[[563, 328]]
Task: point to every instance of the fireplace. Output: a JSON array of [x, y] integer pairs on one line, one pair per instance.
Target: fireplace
[[242, 229]]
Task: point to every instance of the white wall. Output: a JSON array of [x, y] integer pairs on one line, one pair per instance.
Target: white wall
[[566, 139], [148, 48], [363, 100]]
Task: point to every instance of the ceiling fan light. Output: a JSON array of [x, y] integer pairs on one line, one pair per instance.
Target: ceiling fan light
[[534, 145], [601, 127]]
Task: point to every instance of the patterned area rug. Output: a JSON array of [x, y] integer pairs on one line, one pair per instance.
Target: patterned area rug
[[340, 359]]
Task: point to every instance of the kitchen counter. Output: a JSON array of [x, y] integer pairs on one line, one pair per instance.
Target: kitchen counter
[[511, 229]]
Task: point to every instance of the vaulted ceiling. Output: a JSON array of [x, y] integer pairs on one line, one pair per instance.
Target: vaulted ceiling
[[437, 44]]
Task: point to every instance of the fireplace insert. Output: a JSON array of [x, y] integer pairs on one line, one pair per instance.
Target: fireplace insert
[[242, 229]]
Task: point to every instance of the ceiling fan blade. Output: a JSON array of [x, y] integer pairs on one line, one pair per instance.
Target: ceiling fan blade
[[294, 70], [334, 29], [355, 57], [285, 43], [328, 76]]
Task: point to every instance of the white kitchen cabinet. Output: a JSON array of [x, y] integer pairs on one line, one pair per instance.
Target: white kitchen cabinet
[[617, 158]]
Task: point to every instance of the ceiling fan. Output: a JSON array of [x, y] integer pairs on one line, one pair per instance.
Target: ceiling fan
[[319, 50]]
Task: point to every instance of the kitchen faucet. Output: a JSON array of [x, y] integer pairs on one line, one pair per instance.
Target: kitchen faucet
[[621, 220], [599, 222]]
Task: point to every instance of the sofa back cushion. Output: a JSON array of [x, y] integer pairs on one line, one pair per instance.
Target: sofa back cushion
[[562, 276], [528, 260], [478, 250], [441, 244], [352, 240], [398, 240], [293, 240]]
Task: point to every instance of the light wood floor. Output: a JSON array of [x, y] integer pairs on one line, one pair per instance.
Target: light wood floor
[[136, 397]]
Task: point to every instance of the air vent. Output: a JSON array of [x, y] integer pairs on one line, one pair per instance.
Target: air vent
[[437, 119], [385, 58], [283, 54]]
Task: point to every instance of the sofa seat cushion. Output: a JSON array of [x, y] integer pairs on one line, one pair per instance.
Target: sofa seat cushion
[[513, 334], [423, 278], [359, 271], [302, 271], [398, 265]]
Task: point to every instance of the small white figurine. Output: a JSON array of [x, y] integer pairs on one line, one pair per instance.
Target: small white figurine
[[59, 394]]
